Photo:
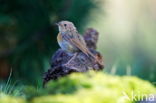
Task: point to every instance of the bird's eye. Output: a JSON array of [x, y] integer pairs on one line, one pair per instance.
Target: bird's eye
[[65, 24]]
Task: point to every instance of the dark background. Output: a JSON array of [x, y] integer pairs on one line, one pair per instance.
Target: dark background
[[28, 34]]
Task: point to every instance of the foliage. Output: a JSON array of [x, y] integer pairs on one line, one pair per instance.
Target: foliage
[[92, 87]]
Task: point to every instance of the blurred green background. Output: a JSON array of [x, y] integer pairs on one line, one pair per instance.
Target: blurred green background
[[28, 35]]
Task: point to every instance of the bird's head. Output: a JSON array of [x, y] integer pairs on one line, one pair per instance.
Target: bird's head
[[66, 26]]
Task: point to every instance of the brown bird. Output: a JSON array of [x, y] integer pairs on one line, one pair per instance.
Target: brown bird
[[71, 41]]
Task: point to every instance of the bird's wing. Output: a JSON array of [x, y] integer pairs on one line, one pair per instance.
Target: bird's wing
[[77, 40]]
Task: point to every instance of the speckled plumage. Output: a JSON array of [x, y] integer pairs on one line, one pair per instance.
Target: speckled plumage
[[70, 40]]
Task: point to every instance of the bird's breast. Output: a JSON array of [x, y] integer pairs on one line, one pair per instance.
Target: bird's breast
[[65, 45]]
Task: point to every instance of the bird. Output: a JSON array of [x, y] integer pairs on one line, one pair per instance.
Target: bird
[[71, 41]]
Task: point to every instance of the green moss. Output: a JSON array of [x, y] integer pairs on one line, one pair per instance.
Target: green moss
[[91, 87], [9, 99], [96, 87]]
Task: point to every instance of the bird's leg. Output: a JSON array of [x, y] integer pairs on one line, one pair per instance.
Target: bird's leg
[[72, 58]]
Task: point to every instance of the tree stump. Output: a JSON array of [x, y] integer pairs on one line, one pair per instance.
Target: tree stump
[[80, 64]]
